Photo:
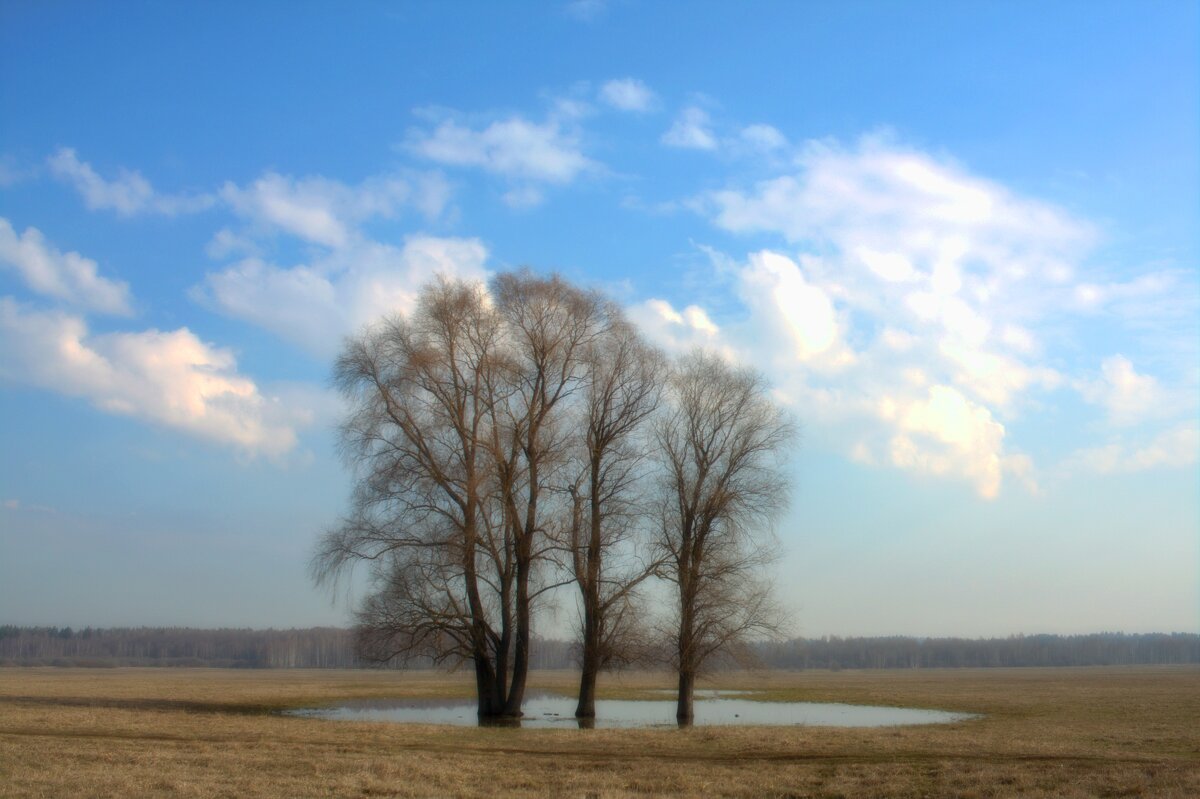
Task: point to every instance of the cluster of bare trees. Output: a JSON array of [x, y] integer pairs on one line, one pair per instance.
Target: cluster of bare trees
[[517, 439]]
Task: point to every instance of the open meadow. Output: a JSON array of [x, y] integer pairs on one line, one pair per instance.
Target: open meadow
[[213, 732]]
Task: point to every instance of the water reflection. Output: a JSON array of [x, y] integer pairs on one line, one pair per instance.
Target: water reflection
[[550, 711], [483, 721]]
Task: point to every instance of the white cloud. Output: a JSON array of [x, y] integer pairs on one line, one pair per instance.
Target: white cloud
[[920, 286], [678, 331], [891, 199], [352, 279], [888, 400], [778, 295], [1162, 304], [170, 378], [763, 137], [571, 108], [1090, 296], [129, 194], [226, 242], [628, 94], [894, 267], [996, 378], [1019, 339], [432, 194], [326, 211], [946, 434], [692, 130], [1128, 396], [316, 209], [65, 276], [514, 148], [1022, 469], [897, 340], [1174, 448], [940, 258], [315, 305]]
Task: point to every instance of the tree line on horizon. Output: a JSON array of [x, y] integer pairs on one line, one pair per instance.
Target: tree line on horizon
[[334, 648]]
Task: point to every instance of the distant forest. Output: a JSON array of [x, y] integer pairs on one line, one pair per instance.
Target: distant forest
[[334, 648], [309, 648]]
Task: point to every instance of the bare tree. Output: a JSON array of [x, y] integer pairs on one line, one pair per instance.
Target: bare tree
[[721, 445], [456, 430], [426, 511], [624, 380], [550, 327]]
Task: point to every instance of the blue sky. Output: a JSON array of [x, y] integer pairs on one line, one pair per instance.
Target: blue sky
[[961, 239]]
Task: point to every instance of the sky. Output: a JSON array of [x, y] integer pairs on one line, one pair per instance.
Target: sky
[[961, 241]]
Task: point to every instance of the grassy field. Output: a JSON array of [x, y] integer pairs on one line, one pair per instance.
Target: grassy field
[[210, 732]]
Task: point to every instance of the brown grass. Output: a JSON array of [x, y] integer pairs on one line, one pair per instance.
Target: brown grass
[[202, 733]]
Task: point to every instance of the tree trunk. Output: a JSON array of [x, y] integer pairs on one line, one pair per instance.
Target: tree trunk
[[490, 703], [592, 612], [586, 709], [523, 540], [684, 713], [687, 660], [520, 669], [491, 693]]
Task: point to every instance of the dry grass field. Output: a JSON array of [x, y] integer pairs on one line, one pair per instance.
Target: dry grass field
[[207, 733]]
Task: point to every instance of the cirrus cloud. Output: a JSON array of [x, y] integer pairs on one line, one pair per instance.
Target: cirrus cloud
[[129, 194], [327, 212]]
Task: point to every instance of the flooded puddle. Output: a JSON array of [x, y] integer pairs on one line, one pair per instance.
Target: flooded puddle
[[711, 707]]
